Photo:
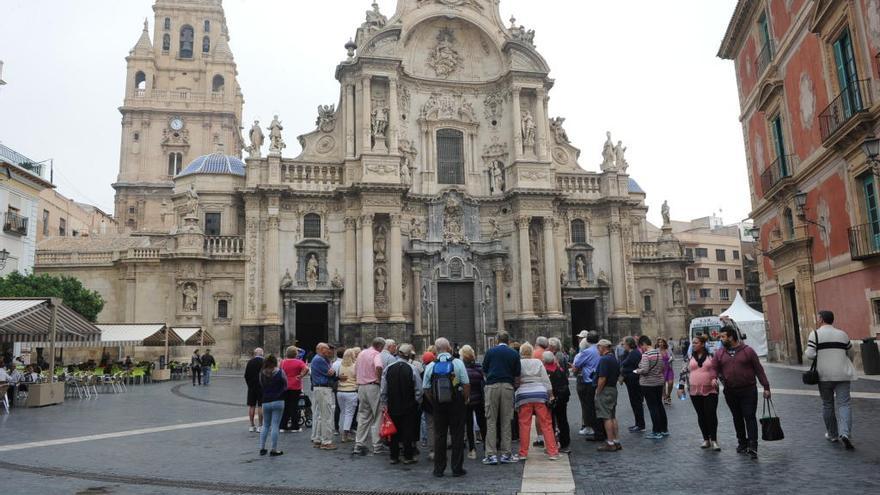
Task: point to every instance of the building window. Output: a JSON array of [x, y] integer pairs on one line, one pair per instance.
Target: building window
[[779, 147], [847, 75], [175, 162], [222, 309], [207, 26], [872, 211], [450, 156], [703, 272], [691, 274], [166, 43], [218, 84], [720, 255], [62, 227], [725, 294], [705, 293], [167, 23], [206, 44], [140, 80], [187, 38], [45, 222], [788, 220], [578, 232], [648, 304], [689, 252], [735, 254], [705, 312], [701, 252], [738, 274], [722, 274], [692, 295], [212, 224], [312, 226]]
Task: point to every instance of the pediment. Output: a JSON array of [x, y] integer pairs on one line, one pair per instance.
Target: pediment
[[822, 10], [524, 58], [769, 92]]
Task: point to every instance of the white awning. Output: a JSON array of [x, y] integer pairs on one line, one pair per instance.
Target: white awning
[[27, 320], [186, 332], [194, 335], [137, 334]]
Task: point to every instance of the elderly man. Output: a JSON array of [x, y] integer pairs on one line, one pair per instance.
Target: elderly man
[[389, 353], [502, 366], [607, 372], [585, 364], [401, 392], [254, 390], [368, 372], [448, 388], [323, 378]]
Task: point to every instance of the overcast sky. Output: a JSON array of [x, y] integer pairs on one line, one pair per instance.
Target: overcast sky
[[643, 69]]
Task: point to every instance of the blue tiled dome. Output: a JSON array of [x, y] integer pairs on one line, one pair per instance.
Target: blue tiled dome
[[215, 163]]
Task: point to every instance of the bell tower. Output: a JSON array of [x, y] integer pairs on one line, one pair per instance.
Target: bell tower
[[182, 100]]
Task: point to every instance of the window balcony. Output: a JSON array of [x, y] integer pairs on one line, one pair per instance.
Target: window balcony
[[780, 169], [765, 56], [864, 241], [14, 223], [855, 99]]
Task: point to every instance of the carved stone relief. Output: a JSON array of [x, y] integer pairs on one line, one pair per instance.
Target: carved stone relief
[[448, 107], [494, 107], [444, 59], [326, 118]]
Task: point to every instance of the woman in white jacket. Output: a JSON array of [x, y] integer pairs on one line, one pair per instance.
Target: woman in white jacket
[[532, 394]]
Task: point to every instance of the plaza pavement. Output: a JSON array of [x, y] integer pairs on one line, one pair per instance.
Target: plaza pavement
[[175, 438]]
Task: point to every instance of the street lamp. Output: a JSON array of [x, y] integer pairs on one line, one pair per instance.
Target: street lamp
[[800, 200], [754, 232], [4, 255], [871, 147]]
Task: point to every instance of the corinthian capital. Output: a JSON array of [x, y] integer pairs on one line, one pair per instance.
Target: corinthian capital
[[522, 221]]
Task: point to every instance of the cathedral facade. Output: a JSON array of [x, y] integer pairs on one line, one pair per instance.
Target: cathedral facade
[[436, 197]]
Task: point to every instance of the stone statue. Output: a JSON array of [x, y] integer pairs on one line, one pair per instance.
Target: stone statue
[[558, 131], [192, 201], [488, 295], [286, 280], [603, 278], [379, 244], [312, 272], [664, 210], [256, 136], [528, 128], [190, 298], [608, 154], [337, 280], [408, 154], [619, 159], [496, 177], [380, 281], [374, 19], [563, 279], [276, 143], [452, 229], [379, 123], [581, 271], [677, 295], [444, 59], [326, 118], [495, 233], [415, 230]]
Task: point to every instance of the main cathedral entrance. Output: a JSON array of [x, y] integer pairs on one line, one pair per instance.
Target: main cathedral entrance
[[455, 312], [311, 325]]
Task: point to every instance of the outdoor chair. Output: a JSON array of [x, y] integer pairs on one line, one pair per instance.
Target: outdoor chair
[[3, 389]]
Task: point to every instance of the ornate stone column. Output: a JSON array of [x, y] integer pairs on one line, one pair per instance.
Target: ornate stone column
[[541, 124], [393, 120], [551, 276], [618, 276], [272, 269], [367, 119], [350, 131], [350, 289], [522, 225], [516, 119], [417, 296], [368, 298], [499, 296], [395, 270]]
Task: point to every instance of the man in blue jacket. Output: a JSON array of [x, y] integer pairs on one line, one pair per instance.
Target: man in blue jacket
[[502, 366]]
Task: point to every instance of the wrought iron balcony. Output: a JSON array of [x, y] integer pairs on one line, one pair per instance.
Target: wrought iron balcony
[[853, 100], [14, 223], [781, 168], [764, 58], [864, 241]]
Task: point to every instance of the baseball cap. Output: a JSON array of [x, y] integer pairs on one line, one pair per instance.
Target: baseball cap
[[583, 334]]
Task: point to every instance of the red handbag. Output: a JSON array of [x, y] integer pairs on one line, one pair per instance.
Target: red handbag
[[387, 429]]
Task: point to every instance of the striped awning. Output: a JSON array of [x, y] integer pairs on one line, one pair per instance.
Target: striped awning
[[193, 335], [137, 334], [27, 320]]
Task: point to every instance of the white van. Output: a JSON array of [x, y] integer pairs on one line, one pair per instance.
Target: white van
[[710, 326]]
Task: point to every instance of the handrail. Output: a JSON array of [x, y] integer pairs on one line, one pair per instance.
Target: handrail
[[852, 100]]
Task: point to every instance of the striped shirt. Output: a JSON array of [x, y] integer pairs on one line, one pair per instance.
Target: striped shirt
[[650, 369]]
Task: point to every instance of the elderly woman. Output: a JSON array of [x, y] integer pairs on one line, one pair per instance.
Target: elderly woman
[[346, 393], [294, 369], [534, 391], [476, 406]]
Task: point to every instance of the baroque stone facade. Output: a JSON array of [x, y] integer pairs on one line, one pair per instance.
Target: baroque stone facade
[[437, 197]]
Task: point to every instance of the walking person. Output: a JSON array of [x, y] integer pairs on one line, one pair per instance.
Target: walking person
[[195, 366], [739, 370], [368, 373], [294, 369], [561, 394], [836, 372], [273, 383], [447, 387], [582, 388], [668, 373], [628, 364], [531, 398], [651, 380], [208, 363], [401, 391], [476, 406], [502, 366], [585, 364], [254, 389], [607, 373], [699, 379], [346, 394], [323, 381]]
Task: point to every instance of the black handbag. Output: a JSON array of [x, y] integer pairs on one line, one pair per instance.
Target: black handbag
[[771, 427], [811, 376]]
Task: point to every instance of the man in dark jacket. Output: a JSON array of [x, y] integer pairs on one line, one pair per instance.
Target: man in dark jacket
[[207, 366], [255, 391], [401, 392]]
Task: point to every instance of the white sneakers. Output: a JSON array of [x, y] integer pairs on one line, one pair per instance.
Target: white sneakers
[[715, 446], [586, 430], [252, 429]]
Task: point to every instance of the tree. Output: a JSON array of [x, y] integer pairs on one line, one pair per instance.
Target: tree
[[87, 303]]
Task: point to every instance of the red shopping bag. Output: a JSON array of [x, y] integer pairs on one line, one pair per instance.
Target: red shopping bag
[[387, 429]]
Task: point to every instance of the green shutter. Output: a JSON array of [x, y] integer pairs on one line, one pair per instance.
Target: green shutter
[[779, 144], [847, 75], [873, 210]]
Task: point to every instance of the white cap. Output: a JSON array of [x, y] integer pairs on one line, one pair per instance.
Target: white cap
[[583, 334]]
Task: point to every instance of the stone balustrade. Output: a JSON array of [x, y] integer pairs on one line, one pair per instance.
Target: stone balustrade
[[143, 253], [579, 185], [645, 250], [46, 258], [227, 245], [312, 176]]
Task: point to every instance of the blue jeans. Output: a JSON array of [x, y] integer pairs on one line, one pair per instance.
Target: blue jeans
[[272, 412], [206, 375], [839, 424]]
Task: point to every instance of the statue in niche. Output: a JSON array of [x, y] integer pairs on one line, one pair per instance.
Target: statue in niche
[[337, 280], [444, 59], [495, 233], [408, 154], [286, 280], [415, 230], [379, 244], [276, 143], [256, 136], [537, 297], [677, 294], [326, 118], [381, 281], [496, 177], [581, 271], [312, 272], [488, 295], [192, 201], [563, 278], [528, 128], [533, 247], [664, 211], [190, 298], [379, 123], [374, 19], [619, 159], [558, 131], [608, 154]]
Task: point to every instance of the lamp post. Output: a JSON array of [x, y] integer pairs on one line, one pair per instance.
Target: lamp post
[[871, 147], [800, 200], [4, 255]]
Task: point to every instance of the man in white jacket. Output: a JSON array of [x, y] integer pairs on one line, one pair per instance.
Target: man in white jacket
[[836, 371]]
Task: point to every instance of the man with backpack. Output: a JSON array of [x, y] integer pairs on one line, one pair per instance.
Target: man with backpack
[[447, 387]]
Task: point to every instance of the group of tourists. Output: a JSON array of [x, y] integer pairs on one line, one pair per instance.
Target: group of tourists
[[437, 399]]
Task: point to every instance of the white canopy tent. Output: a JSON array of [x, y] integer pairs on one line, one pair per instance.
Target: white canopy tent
[[750, 322]]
